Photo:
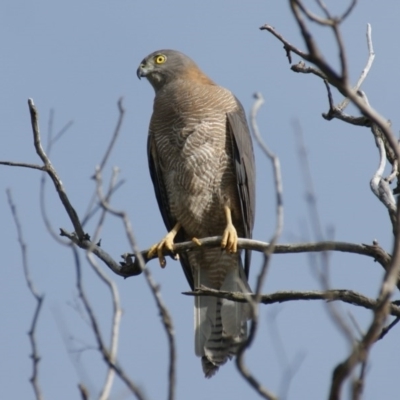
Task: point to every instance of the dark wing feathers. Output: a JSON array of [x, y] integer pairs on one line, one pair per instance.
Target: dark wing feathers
[[158, 184], [245, 172], [163, 205]]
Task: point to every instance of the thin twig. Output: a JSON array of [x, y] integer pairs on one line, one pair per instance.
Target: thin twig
[[154, 288], [365, 71], [348, 11], [321, 267], [42, 191], [52, 172], [386, 329], [380, 187], [91, 209], [39, 300], [121, 111], [24, 165], [315, 18], [117, 311], [112, 363], [244, 371], [115, 326], [288, 46], [361, 350]]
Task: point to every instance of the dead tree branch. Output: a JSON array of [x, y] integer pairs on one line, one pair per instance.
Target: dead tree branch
[[154, 288], [346, 296], [361, 349], [254, 303], [39, 300], [108, 358], [115, 326], [52, 172], [325, 71], [91, 209], [340, 81]]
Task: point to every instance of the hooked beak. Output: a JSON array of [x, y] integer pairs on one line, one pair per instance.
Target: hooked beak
[[143, 70]]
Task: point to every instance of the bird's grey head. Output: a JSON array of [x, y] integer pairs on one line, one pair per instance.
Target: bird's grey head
[[163, 66]]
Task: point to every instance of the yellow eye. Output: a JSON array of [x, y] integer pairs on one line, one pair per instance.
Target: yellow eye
[[160, 59]]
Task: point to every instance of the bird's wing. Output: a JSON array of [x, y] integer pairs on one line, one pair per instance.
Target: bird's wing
[[245, 172], [163, 205]]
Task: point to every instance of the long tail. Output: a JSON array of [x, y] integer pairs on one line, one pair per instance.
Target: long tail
[[220, 324]]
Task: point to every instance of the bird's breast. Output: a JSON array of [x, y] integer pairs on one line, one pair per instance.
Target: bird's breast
[[194, 153]]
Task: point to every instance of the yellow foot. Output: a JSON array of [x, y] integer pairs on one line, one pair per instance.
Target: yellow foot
[[230, 237], [166, 243], [197, 241]]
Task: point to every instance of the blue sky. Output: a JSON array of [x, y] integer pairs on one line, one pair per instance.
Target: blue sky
[[78, 58]]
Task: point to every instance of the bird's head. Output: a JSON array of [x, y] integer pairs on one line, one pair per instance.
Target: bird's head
[[164, 66]]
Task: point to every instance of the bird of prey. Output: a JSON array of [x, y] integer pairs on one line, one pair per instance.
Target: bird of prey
[[201, 163]]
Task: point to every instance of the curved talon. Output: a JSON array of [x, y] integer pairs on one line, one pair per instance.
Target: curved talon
[[166, 243]]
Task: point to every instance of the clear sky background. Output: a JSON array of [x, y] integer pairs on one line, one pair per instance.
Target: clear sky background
[[78, 58]]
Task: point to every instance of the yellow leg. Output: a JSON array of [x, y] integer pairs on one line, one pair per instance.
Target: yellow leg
[[230, 237], [166, 243]]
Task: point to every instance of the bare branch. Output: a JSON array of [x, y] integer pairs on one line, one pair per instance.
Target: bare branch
[[52, 172], [112, 363], [380, 187], [315, 18], [114, 138], [132, 267], [365, 71], [301, 67], [154, 288], [339, 81], [103, 255], [115, 326], [244, 371], [84, 392], [91, 209], [348, 11], [337, 112], [360, 350], [43, 207], [346, 296], [287, 46], [315, 56], [39, 300], [24, 165], [321, 265], [117, 312], [386, 329]]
